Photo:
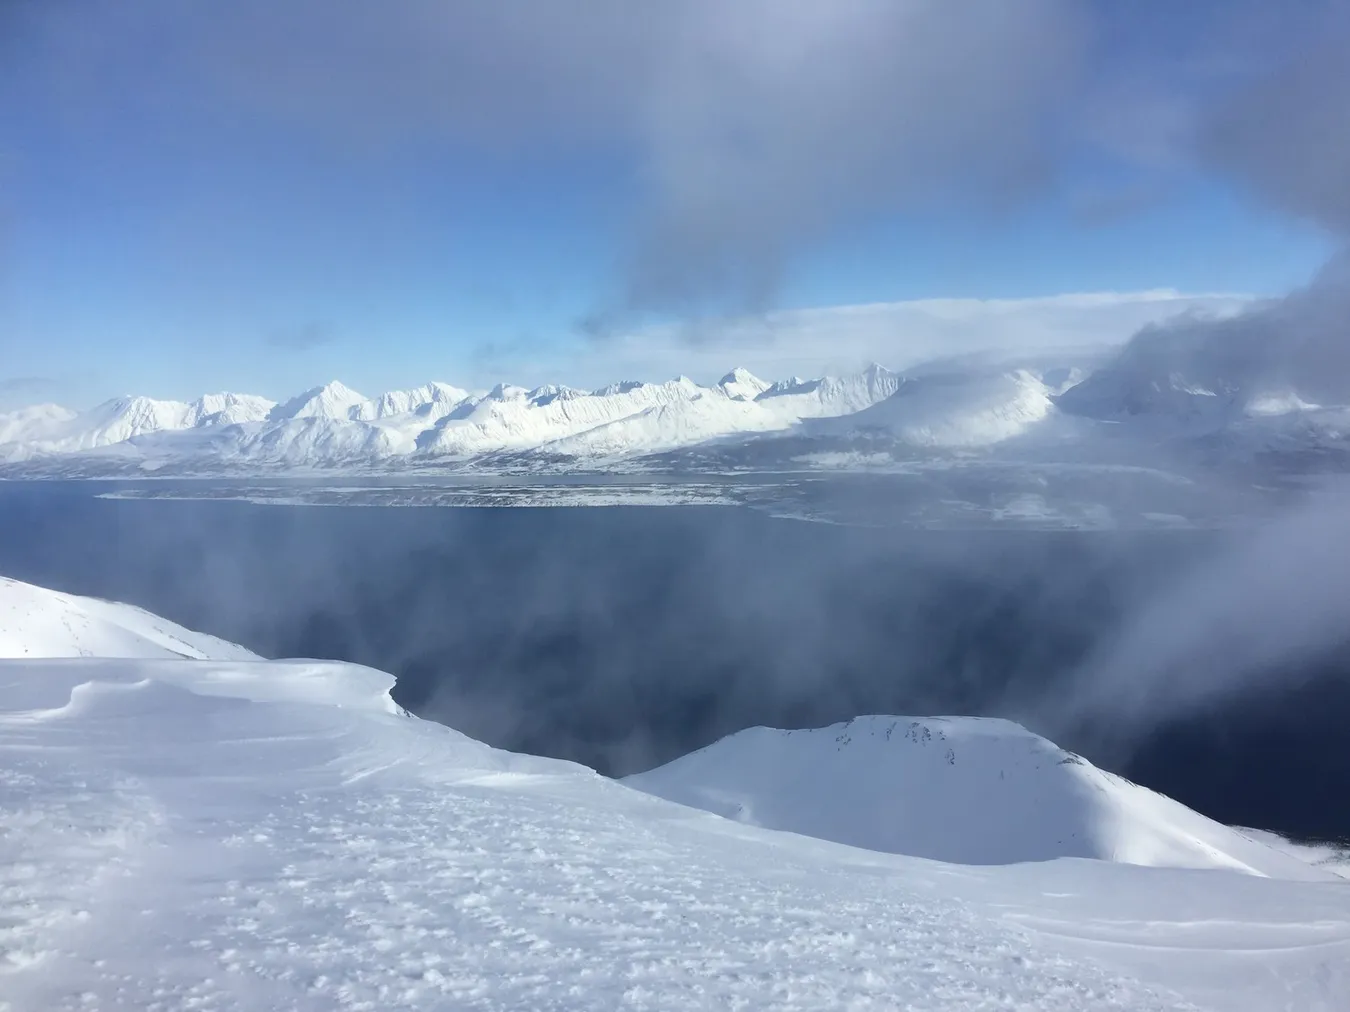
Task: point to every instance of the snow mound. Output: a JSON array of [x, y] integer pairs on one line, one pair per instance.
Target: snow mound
[[965, 790], [36, 622]]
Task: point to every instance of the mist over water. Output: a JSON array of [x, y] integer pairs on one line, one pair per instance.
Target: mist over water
[[623, 637]]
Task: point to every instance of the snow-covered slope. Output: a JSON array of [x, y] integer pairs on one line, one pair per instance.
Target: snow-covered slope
[[967, 789], [1171, 385], [953, 410], [36, 622], [333, 425], [332, 400], [52, 430], [742, 384], [244, 834]]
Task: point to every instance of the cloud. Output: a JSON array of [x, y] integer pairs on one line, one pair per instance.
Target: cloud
[[1286, 132], [1254, 616], [746, 131], [842, 339], [26, 384], [305, 337]]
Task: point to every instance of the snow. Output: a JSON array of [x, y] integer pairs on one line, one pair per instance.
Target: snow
[[245, 834], [49, 429], [334, 425], [742, 384], [954, 410], [36, 622], [1066, 400], [952, 789], [332, 400], [431, 402]]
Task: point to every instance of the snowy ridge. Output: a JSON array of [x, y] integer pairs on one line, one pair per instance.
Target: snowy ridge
[[36, 622], [334, 425], [1166, 385], [965, 789], [244, 834]]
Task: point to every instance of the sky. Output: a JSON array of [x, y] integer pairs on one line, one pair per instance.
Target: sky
[[264, 196]]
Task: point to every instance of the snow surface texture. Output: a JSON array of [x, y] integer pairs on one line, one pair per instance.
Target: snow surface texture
[[244, 834], [954, 789]]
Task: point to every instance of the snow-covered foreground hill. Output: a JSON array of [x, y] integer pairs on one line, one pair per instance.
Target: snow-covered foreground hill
[[965, 789], [226, 833], [36, 622]]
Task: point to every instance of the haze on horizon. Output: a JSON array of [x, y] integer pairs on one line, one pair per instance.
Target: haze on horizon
[[264, 196]]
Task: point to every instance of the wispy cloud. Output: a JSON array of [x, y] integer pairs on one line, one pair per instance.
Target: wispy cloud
[[750, 129], [304, 337], [26, 384], [840, 339]]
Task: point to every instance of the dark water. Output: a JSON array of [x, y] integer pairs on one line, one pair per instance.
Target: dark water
[[623, 637]]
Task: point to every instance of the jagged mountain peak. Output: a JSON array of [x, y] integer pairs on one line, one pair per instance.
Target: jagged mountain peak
[[332, 400]]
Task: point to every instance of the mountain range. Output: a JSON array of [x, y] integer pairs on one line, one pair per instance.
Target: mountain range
[[1166, 385]]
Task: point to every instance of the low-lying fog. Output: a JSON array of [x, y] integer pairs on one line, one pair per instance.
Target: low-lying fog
[[623, 637]]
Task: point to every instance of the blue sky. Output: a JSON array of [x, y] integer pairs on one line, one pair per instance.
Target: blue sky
[[176, 220]]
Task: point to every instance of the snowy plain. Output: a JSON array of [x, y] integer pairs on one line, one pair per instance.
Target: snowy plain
[[186, 826]]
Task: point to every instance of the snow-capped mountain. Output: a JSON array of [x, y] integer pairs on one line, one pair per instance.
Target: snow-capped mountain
[[335, 425], [332, 400], [234, 833], [432, 401], [52, 430], [1177, 383], [960, 409]]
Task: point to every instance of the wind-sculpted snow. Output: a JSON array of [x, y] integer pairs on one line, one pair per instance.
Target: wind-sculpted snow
[[244, 834], [964, 789]]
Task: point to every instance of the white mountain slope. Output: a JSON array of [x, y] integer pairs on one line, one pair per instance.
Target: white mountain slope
[[242, 834], [963, 789], [432, 402], [53, 430], [959, 409], [36, 622], [333, 425], [332, 400]]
